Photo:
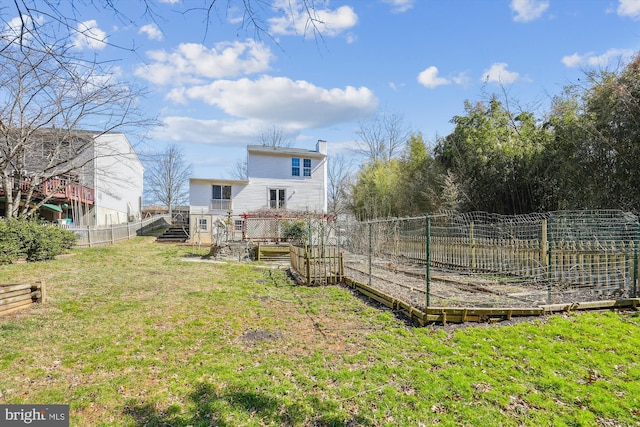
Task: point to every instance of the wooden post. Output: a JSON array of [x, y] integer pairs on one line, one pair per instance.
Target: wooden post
[[307, 264], [544, 244], [43, 293]]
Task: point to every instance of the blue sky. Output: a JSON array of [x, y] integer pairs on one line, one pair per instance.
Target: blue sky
[[218, 89]]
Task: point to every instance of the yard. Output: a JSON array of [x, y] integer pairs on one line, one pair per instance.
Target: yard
[[133, 334]]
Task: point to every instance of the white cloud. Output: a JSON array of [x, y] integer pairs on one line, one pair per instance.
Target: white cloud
[[152, 31], [226, 132], [629, 8], [215, 132], [294, 104], [89, 36], [400, 6], [429, 78], [598, 61], [21, 27], [297, 19], [461, 79], [572, 60], [192, 62], [498, 73], [528, 10]]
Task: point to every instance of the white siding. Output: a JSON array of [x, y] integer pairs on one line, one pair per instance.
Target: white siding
[[118, 180], [266, 171], [303, 193]]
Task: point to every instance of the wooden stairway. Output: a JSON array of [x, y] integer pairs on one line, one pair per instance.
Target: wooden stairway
[[174, 234]]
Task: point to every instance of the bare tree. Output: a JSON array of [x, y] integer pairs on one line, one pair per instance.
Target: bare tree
[[276, 137], [167, 178], [239, 170], [339, 177], [383, 137], [46, 97]]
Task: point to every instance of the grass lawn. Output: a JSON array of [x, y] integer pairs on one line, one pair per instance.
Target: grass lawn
[[133, 335]]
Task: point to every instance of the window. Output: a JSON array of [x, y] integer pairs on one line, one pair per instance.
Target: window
[[295, 166], [221, 197], [277, 197], [237, 225], [203, 224], [307, 167]]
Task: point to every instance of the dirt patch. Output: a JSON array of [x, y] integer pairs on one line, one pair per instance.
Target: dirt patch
[[260, 335]]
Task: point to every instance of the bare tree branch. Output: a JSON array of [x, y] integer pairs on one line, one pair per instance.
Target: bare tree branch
[[47, 98], [167, 178], [239, 170], [67, 17], [339, 177], [382, 138], [275, 137]]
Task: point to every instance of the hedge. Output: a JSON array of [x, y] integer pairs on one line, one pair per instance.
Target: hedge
[[32, 240]]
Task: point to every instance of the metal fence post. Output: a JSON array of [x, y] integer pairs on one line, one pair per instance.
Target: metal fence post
[[550, 267], [428, 253], [635, 260], [370, 250]]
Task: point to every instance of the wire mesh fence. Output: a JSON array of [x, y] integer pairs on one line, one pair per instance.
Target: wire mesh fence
[[488, 260]]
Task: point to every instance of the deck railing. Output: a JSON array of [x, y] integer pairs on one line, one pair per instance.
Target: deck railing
[[58, 188]]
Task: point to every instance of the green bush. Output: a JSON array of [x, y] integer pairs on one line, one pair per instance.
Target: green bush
[[32, 240], [295, 231], [10, 244]]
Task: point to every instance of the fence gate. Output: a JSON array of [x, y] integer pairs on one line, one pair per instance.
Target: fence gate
[[317, 265]]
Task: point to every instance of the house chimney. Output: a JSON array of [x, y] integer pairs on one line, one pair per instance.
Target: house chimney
[[321, 146]]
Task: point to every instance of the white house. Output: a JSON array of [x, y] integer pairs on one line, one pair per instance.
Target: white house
[[89, 178], [117, 175], [278, 178]]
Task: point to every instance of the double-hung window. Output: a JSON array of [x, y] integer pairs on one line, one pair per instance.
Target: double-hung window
[[277, 198], [306, 163], [295, 166], [221, 197], [203, 224]]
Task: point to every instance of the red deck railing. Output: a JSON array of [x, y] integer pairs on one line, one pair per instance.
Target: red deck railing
[[60, 189]]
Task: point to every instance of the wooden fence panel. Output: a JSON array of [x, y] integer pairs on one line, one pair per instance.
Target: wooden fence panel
[[318, 265]]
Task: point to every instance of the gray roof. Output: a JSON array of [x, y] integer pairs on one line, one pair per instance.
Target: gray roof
[[284, 151]]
